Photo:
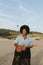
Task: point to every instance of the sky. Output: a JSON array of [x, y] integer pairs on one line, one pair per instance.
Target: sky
[[21, 12]]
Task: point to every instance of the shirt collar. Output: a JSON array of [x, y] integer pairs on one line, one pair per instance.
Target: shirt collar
[[23, 38]]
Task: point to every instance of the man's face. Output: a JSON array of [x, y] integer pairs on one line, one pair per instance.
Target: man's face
[[24, 32]]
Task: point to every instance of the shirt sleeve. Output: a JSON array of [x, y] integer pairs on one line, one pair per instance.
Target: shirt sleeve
[[16, 40], [30, 42]]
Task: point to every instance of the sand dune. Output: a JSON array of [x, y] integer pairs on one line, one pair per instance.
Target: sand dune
[[7, 50]]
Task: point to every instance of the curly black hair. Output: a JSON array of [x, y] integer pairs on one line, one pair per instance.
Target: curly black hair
[[26, 27]]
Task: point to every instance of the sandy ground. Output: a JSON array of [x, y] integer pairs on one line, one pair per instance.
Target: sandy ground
[[7, 50]]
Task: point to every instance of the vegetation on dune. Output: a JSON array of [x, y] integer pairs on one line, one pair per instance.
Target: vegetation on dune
[[6, 33]]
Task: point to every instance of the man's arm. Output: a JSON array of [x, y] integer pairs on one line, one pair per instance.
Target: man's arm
[[33, 45], [15, 44]]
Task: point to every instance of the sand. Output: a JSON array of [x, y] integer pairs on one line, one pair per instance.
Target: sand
[[7, 50]]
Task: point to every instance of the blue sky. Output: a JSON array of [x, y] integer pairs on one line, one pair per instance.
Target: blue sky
[[20, 12]]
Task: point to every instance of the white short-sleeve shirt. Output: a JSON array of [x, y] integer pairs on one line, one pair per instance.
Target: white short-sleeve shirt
[[21, 41]]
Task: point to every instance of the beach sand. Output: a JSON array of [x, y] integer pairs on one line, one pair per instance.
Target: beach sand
[[7, 50]]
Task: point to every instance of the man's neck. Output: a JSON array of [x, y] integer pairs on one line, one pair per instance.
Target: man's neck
[[24, 36]]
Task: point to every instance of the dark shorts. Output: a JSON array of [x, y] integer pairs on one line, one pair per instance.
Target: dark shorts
[[22, 58]]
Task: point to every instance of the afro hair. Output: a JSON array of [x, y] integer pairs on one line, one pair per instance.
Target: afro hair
[[26, 27]]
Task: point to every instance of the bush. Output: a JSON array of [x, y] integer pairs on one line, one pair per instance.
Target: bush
[[4, 33]]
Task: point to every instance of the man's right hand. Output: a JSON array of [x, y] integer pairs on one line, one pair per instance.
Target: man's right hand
[[23, 48]]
